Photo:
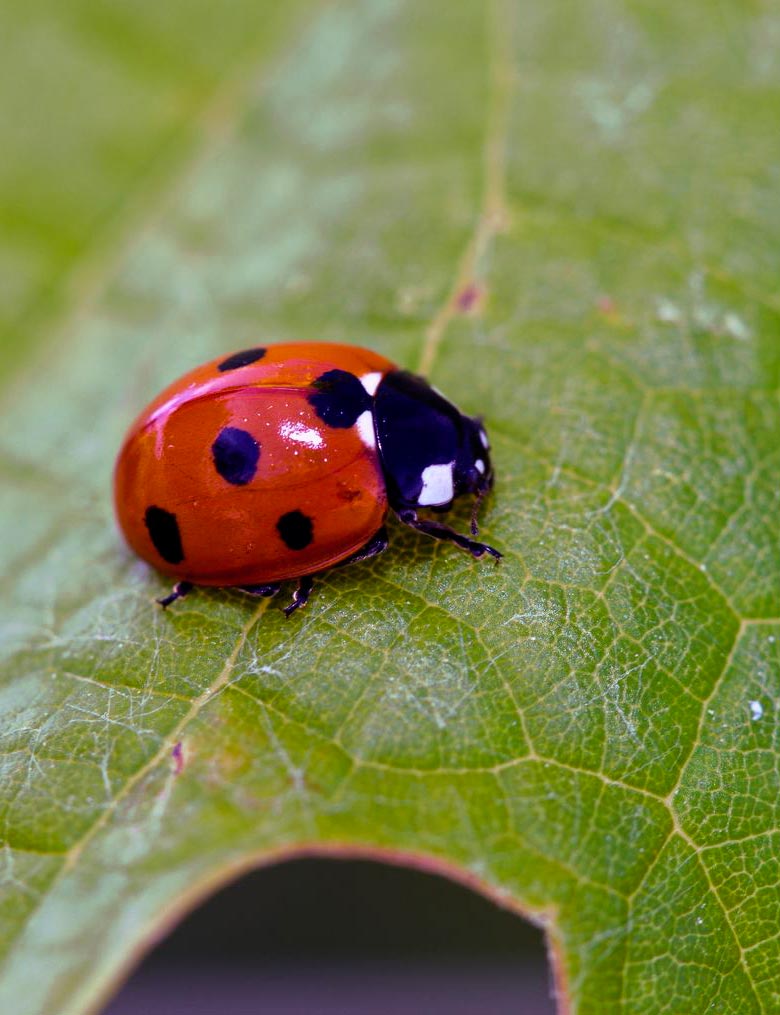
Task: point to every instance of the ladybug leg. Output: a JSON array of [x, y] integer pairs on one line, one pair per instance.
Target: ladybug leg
[[179, 591], [267, 591], [377, 544], [301, 595], [444, 532]]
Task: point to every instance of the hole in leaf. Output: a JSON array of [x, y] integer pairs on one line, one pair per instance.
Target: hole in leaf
[[341, 938]]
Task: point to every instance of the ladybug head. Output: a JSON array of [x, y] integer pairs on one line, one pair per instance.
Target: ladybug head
[[430, 451], [473, 468]]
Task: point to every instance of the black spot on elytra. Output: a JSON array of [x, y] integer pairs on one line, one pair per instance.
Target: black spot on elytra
[[339, 398], [236, 454], [241, 359], [295, 528], [164, 533]]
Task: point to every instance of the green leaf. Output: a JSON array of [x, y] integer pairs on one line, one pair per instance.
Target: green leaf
[[567, 214]]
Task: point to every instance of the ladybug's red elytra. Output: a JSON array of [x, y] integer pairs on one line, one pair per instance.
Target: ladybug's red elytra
[[278, 462]]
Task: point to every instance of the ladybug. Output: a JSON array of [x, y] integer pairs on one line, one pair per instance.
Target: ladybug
[[278, 462]]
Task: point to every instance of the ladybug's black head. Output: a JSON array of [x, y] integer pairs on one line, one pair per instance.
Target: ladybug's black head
[[430, 452], [474, 470]]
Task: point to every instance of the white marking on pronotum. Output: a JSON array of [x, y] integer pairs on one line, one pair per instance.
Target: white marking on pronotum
[[483, 438], [371, 382], [302, 434], [438, 487], [365, 428], [480, 466]]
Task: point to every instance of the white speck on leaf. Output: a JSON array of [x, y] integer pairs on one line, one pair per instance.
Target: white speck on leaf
[[756, 710], [668, 312], [612, 109], [736, 327]]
